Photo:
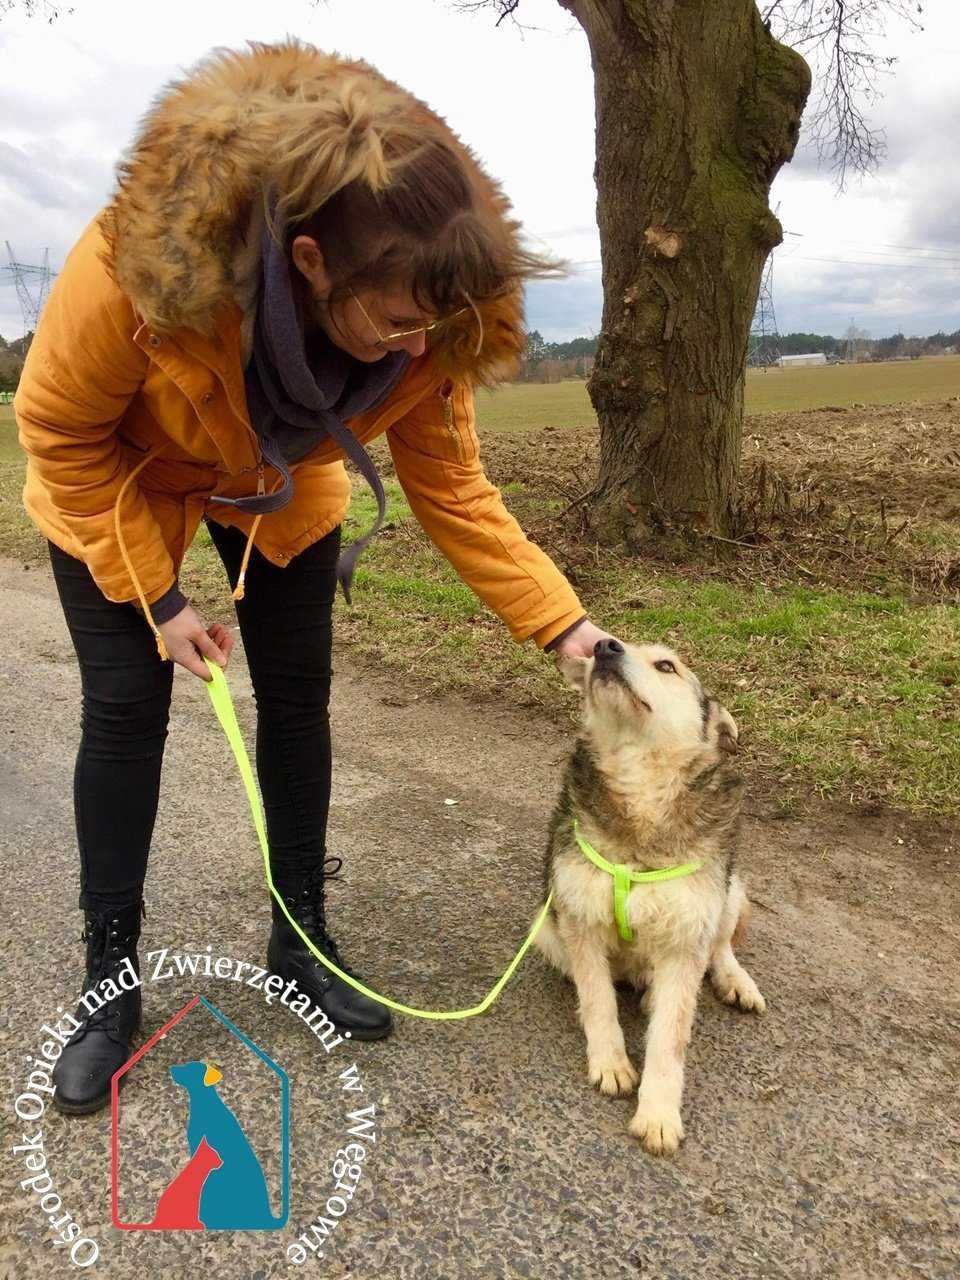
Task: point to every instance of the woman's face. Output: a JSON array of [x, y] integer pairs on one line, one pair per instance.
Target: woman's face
[[346, 325]]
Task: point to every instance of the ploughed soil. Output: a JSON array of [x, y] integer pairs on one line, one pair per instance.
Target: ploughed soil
[[833, 497]]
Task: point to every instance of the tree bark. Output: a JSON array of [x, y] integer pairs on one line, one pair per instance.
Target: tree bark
[[697, 108]]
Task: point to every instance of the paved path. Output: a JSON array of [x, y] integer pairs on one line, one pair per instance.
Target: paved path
[[822, 1139]]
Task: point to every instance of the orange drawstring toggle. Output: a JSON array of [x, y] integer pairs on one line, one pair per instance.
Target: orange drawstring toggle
[[238, 589]]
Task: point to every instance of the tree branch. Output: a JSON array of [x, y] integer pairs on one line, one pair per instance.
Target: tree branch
[[505, 8], [34, 8], [840, 39]]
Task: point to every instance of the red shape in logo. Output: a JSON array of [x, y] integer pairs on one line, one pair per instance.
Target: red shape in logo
[[178, 1204]]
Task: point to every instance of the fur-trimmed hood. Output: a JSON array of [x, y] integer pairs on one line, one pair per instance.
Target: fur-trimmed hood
[[183, 227]]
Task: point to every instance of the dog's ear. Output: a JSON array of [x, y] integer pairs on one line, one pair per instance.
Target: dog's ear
[[574, 671], [728, 734]]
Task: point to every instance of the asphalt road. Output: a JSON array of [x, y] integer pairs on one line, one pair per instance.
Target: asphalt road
[[822, 1138]]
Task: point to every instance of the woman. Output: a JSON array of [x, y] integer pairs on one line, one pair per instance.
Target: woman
[[295, 242]]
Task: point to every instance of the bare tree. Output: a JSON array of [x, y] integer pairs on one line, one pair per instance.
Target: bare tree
[[843, 41], [698, 106]]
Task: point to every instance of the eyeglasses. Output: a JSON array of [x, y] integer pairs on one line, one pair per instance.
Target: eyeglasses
[[383, 339]]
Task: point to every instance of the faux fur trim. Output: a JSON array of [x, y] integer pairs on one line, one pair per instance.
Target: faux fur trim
[[182, 228]]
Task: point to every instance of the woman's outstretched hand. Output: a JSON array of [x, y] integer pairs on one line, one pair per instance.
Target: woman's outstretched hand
[[186, 640], [581, 640]]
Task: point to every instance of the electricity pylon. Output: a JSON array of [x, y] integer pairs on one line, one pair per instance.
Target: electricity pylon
[[31, 304], [763, 348]]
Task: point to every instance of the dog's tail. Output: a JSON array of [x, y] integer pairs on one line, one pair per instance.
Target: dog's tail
[[739, 935]]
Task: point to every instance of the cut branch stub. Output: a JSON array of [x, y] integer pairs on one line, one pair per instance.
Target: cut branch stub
[[663, 241]]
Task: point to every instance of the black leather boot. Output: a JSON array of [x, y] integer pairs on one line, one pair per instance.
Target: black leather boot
[[102, 1043], [287, 956]]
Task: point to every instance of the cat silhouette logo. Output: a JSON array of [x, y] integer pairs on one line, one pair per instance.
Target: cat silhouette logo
[[201, 1130]]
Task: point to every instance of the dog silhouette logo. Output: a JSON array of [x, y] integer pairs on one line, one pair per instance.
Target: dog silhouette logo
[[216, 1179]]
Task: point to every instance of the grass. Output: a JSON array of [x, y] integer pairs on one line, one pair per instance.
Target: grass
[[889, 382], [521, 406], [853, 694]]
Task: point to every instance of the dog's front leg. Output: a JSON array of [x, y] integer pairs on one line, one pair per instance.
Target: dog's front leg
[[673, 1004], [608, 1066]]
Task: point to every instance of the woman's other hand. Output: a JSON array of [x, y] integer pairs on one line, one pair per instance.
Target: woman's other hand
[[581, 641], [186, 640]]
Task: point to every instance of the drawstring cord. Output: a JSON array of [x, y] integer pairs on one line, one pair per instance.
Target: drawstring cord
[[479, 322], [152, 453], [238, 590]]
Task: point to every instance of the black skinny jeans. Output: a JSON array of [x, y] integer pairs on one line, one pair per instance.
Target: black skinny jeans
[[285, 622]]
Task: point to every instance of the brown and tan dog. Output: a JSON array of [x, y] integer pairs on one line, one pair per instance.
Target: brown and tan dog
[[650, 784]]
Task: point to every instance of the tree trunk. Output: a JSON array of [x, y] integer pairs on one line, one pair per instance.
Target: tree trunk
[[697, 107]]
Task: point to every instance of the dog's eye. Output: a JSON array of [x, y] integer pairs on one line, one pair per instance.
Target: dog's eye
[[666, 665]]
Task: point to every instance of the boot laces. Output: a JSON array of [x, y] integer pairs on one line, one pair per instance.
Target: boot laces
[[311, 909], [109, 949]]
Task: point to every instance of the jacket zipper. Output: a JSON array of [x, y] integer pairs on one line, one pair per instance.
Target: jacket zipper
[[445, 392]]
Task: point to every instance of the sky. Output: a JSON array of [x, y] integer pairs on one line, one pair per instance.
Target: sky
[[885, 254]]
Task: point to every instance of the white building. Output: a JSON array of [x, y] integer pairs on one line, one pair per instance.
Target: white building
[[792, 362]]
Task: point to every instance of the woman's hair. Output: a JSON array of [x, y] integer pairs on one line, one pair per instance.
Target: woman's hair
[[424, 226]]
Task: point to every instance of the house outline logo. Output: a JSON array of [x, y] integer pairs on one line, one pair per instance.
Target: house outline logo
[[221, 1187]]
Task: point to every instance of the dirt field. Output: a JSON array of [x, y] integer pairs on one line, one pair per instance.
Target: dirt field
[[829, 628], [822, 1138], [841, 479]]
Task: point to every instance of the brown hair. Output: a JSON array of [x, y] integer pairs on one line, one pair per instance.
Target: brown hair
[[424, 226]]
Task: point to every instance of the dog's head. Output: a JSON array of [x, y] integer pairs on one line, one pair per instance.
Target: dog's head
[[193, 1075], [643, 695]]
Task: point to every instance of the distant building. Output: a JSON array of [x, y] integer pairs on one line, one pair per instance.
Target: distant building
[[791, 362]]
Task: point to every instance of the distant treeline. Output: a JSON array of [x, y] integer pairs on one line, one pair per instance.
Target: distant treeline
[[801, 344], [551, 361], [11, 361]]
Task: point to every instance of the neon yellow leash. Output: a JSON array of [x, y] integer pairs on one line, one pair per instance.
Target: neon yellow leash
[[223, 706], [624, 879]]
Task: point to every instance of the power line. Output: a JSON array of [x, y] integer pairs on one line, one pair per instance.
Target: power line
[[929, 253], [912, 248], [908, 265]]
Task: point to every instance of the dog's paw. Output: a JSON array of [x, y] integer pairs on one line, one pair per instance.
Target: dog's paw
[[614, 1074], [738, 988], [658, 1127]]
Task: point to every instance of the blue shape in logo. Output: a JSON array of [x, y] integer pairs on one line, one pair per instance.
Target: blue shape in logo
[[234, 1193]]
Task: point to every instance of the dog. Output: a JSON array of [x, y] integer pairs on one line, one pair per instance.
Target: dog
[[650, 784]]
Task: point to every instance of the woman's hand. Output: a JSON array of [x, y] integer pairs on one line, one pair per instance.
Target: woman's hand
[[186, 640], [581, 640]]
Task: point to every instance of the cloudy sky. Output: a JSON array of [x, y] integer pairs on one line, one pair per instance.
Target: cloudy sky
[[885, 254]]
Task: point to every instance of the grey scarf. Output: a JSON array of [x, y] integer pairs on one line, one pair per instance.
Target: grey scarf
[[299, 390]]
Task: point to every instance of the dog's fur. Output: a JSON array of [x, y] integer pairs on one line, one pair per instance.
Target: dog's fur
[[651, 783]]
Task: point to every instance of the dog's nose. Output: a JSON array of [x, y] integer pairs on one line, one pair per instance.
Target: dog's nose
[[607, 648]]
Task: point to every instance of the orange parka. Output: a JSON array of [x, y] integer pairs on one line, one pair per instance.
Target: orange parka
[[131, 404]]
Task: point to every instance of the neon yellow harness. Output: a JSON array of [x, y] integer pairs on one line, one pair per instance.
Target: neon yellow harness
[[624, 878], [223, 706]]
